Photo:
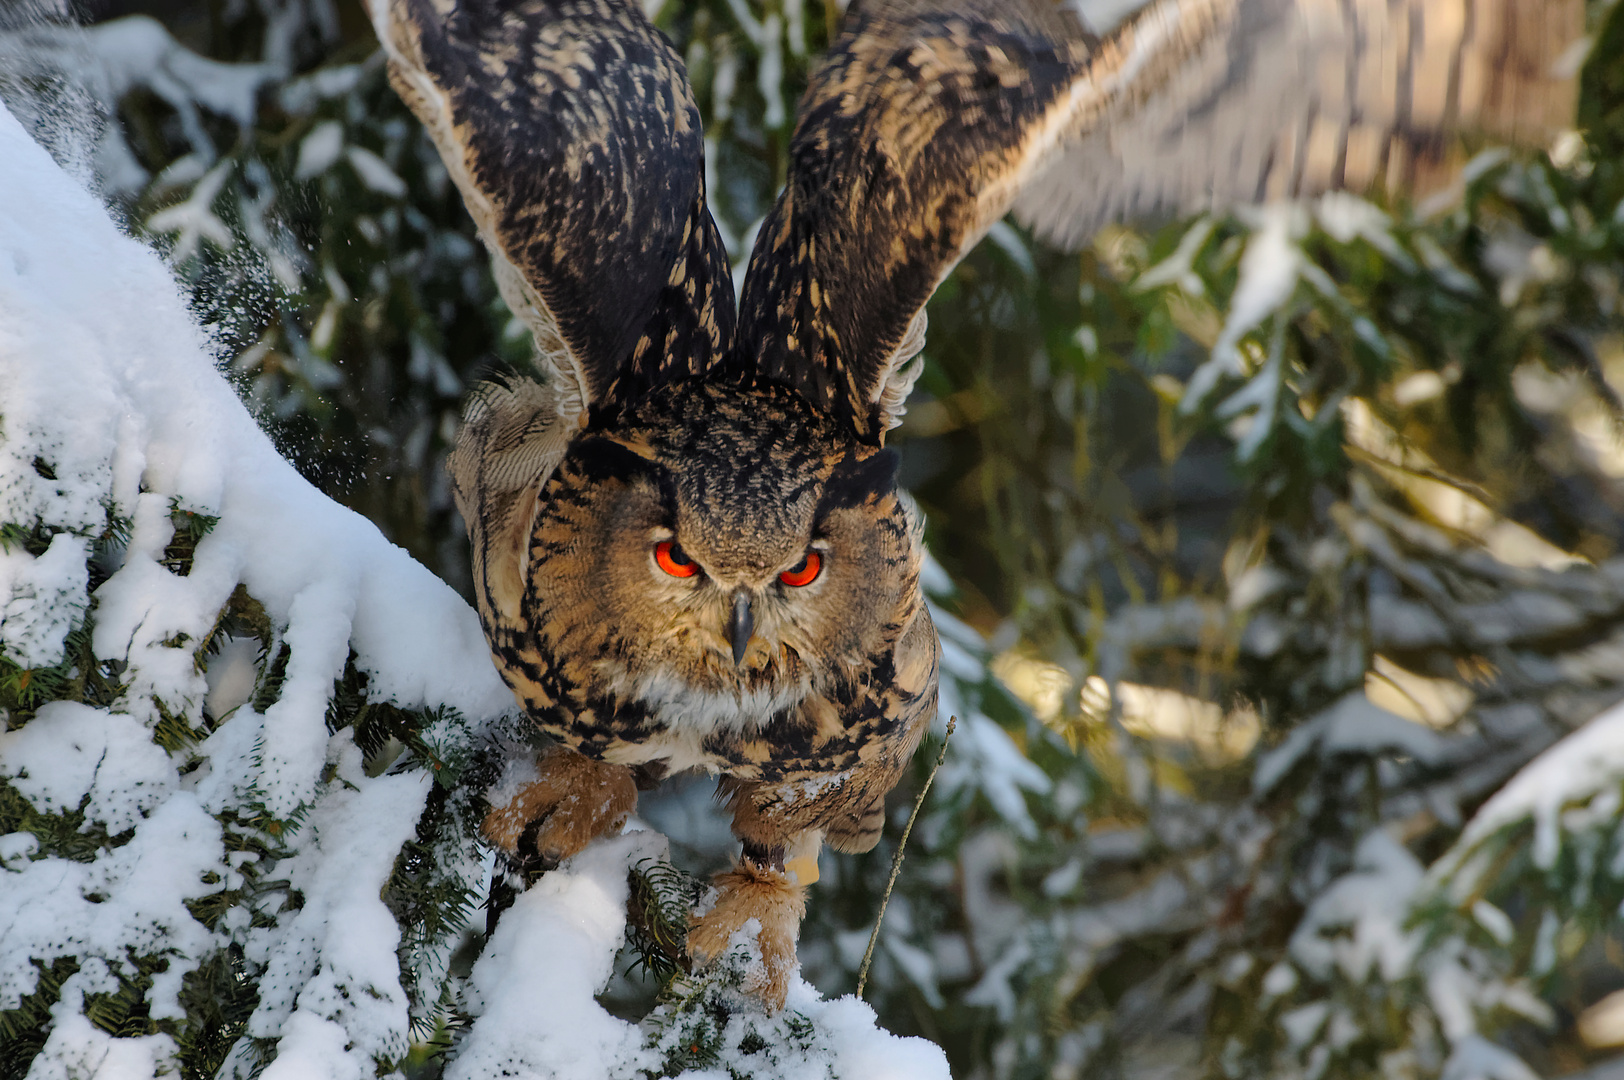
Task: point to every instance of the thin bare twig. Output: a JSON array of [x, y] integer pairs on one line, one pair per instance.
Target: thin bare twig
[[896, 861]]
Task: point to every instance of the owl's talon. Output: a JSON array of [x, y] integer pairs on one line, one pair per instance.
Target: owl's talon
[[573, 801], [776, 904]]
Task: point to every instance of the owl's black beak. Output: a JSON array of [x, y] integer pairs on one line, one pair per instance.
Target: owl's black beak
[[743, 625]]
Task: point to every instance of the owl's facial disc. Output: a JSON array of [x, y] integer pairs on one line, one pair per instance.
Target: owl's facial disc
[[726, 553], [672, 561], [783, 543]]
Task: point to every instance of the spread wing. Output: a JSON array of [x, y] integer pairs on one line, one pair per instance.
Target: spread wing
[[1248, 100], [913, 134], [572, 133], [929, 119]]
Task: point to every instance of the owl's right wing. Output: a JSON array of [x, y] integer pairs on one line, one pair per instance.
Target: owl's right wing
[[572, 134], [571, 131], [930, 119]]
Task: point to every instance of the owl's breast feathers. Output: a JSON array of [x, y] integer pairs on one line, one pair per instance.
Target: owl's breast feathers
[[842, 678]]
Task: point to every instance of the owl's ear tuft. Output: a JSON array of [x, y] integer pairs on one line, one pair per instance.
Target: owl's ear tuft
[[856, 480], [602, 459]]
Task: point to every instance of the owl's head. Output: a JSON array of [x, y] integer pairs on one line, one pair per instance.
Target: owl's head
[[725, 550]]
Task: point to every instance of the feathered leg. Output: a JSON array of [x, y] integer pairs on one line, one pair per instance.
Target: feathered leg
[[758, 887]]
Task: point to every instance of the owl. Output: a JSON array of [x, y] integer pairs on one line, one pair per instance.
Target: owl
[[689, 547]]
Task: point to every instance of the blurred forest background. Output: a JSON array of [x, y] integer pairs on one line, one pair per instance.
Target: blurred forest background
[[1254, 638]]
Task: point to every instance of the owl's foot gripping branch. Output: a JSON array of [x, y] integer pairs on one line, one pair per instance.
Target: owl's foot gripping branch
[[776, 901], [570, 800], [770, 889]]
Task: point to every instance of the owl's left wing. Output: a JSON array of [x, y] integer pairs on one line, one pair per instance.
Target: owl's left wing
[[1226, 101], [572, 134], [929, 118]]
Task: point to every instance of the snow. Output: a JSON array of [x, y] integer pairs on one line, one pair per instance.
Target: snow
[[839, 1039], [770, 71], [319, 150], [71, 753], [115, 57], [1103, 16], [153, 414], [1352, 725], [1476, 1058], [985, 757], [1002, 235], [1269, 269], [130, 899], [531, 995], [1362, 931], [1587, 765], [1372, 903], [78, 1050], [375, 173], [41, 597], [111, 386], [1347, 218], [768, 35], [231, 676], [532, 990], [1179, 267], [332, 974]]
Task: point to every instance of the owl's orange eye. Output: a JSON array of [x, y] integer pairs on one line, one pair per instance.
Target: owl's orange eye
[[804, 572], [673, 560]]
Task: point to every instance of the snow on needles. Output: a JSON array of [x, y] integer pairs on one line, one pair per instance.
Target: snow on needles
[[113, 405], [1553, 791], [113, 411], [111, 384]]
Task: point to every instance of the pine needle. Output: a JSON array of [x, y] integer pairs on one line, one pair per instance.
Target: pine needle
[[896, 861]]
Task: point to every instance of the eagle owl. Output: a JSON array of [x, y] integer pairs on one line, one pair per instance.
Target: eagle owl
[[689, 549]]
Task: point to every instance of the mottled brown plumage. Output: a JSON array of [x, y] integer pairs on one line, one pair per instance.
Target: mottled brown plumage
[[688, 547]]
